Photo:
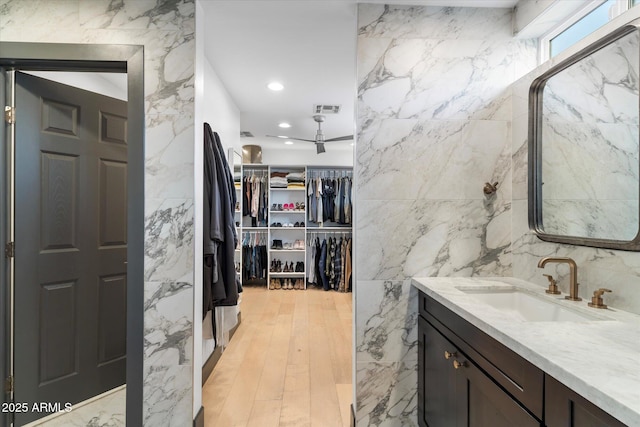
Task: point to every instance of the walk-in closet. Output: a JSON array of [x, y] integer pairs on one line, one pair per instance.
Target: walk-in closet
[[283, 355], [295, 223]]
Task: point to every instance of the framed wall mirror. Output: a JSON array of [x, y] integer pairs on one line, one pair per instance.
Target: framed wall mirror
[[584, 163]]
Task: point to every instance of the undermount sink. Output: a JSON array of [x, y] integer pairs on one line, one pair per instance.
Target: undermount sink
[[525, 305]]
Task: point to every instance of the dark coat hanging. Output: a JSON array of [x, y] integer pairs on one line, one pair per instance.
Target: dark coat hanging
[[221, 286]]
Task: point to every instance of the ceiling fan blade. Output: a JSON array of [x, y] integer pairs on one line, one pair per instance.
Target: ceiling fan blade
[[340, 138], [320, 148], [295, 139]]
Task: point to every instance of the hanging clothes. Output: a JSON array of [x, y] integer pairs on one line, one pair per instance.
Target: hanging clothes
[[221, 285], [329, 200], [330, 263], [254, 259]]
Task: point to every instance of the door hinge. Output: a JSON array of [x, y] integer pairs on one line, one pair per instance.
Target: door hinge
[[9, 114], [10, 250], [8, 385]]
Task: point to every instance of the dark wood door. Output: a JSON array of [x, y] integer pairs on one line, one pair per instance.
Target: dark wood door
[[566, 408], [436, 378], [71, 243], [482, 403]]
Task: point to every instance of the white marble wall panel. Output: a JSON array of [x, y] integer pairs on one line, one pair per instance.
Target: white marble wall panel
[[387, 394], [388, 318], [166, 29], [432, 238], [169, 159], [434, 124], [445, 23]]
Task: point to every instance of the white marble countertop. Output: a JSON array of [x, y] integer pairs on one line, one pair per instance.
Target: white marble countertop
[[598, 359]]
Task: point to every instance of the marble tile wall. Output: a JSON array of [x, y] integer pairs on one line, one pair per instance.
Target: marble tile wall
[[166, 29], [434, 124]]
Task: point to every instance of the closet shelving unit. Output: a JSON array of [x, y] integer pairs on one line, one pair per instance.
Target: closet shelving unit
[[283, 220], [280, 222]]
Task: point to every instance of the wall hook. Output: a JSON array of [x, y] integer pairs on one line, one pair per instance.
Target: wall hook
[[490, 188]]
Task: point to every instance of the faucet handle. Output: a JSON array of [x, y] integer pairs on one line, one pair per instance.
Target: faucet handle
[[596, 300], [553, 285]]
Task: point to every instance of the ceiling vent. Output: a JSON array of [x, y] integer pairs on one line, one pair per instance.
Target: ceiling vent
[[245, 134], [326, 109]]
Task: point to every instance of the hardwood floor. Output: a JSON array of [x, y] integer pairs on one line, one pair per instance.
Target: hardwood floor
[[289, 363]]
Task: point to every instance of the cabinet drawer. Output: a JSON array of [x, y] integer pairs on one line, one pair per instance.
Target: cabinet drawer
[[521, 379]]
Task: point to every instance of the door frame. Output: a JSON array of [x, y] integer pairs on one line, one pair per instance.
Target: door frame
[[97, 58]]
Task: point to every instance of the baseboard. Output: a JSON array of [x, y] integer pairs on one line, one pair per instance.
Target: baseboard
[[235, 328], [353, 417], [210, 364], [198, 421]]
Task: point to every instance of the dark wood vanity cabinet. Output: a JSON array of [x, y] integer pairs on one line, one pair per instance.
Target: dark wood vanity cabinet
[[468, 379], [453, 391], [566, 408]]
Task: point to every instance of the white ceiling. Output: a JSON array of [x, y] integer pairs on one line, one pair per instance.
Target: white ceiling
[[309, 46]]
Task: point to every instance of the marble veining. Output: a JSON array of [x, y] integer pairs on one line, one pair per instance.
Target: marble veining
[[167, 332], [433, 122], [422, 238], [578, 354], [169, 239], [169, 389], [169, 160], [106, 411], [137, 14], [387, 333], [387, 394], [434, 22]]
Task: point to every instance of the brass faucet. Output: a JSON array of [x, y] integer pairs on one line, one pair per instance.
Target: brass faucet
[[573, 274]]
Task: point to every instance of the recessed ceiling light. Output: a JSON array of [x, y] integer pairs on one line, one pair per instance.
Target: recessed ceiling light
[[275, 86], [284, 125], [289, 142], [351, 144]]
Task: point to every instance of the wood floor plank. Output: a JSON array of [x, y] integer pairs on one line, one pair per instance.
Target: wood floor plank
[[265, 413], [289, 363]]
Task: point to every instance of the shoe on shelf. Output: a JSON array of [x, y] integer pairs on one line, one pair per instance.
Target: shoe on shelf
[[278, 266], [277, 284], [297, 206], [279, 208], [301, 206], [297, 224], [289, 286]]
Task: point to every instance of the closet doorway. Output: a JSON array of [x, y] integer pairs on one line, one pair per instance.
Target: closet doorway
[[290, 361]]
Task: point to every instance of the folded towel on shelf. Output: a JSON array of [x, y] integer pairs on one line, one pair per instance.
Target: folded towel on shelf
[[278, 174]]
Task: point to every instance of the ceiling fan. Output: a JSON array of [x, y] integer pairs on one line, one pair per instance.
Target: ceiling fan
[[319, 139]]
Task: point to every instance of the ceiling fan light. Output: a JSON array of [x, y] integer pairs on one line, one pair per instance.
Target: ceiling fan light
[[284, 125], [275, 86]]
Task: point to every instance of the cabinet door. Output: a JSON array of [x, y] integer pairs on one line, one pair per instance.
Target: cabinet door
[[566, 408], [482, 403], [436, 378]]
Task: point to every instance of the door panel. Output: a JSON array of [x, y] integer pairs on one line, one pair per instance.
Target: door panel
[[71, 245]]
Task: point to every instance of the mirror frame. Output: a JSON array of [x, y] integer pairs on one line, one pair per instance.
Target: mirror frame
[[108, 58], [535, 151]]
